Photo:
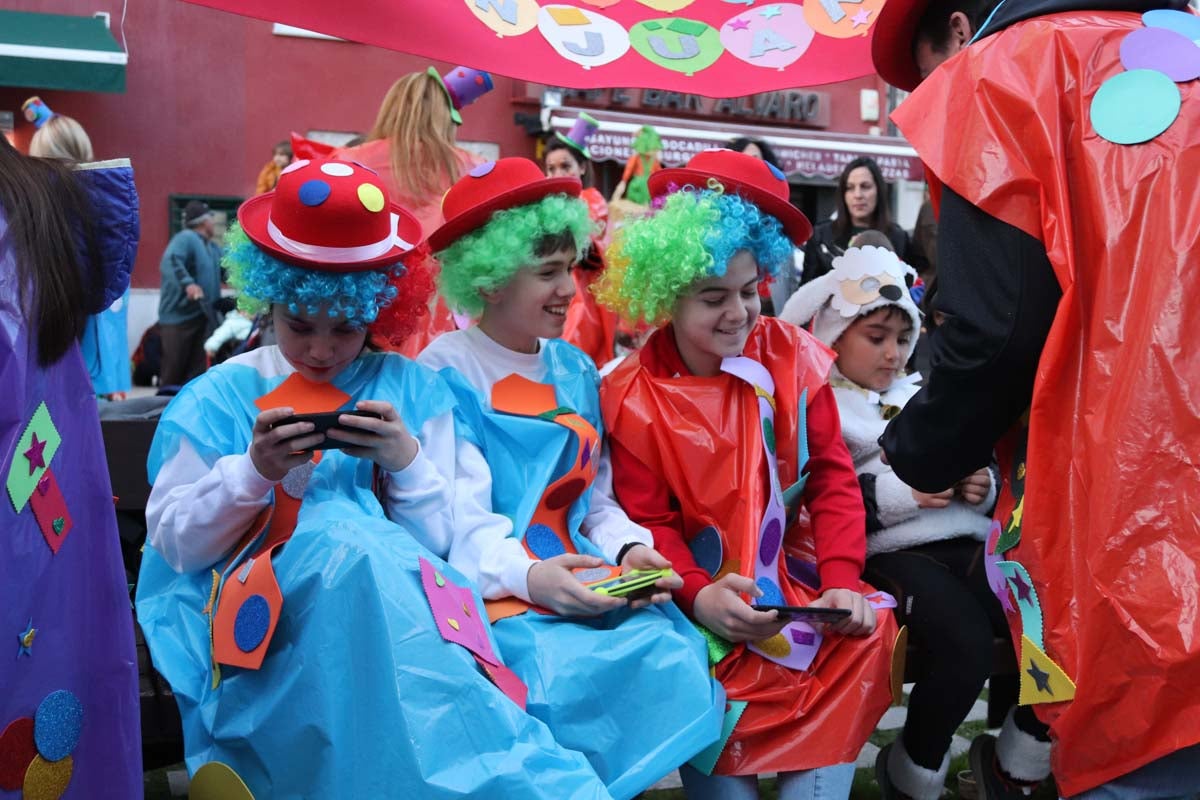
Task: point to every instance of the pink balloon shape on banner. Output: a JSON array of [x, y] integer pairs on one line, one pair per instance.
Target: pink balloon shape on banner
[[771, 36]]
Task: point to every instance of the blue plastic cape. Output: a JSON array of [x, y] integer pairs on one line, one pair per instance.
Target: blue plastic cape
[[105, 348], [359, 695], [630, 689]]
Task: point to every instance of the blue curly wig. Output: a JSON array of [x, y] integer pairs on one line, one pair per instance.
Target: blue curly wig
[[262, 281], [653, 260]]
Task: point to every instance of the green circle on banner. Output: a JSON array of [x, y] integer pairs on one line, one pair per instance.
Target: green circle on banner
[[1135, 106]]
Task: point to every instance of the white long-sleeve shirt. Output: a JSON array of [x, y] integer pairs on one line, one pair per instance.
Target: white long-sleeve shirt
[[483, 548], [196, 512]]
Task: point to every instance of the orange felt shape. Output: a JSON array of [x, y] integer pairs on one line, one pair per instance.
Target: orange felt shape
[[303, 396]]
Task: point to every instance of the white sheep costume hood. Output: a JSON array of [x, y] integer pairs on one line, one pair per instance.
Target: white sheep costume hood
[[862, 280]]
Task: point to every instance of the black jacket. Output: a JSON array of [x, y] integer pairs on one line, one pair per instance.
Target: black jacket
[[823, 248]]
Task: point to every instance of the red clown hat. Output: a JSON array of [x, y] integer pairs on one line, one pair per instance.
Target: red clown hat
[[494, 186], [892, 42], [330, 215], [746, 176]]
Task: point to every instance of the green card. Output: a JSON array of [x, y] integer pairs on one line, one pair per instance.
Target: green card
[[30, 461]]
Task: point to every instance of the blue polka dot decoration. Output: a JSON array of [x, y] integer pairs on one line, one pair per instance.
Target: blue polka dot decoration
[[776, 171], [56, 725], [707, 549], [771, 595], [314, 192], [1179, 21], [543, 542], [482, 169], [253, 619]]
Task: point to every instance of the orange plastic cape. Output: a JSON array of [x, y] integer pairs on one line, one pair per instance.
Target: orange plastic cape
[[702, 436], [1108, 517], [589, 326]]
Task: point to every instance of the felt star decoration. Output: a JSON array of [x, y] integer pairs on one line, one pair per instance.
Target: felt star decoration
[[1042, 679], [771, 11], [1023, 588], [740, 24], [26, 639], [35, 454], [1017, 514], [861, 18]]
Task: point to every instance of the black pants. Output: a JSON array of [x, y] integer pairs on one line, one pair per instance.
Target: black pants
[[953, 618], [183, 351]]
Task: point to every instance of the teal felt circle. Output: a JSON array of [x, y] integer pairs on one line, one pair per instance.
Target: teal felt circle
[[1135, 106]]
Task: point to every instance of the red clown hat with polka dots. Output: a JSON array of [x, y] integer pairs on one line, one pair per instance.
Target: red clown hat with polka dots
[[330, 215]]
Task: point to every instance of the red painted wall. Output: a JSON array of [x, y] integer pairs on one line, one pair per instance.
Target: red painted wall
[[208, 95]]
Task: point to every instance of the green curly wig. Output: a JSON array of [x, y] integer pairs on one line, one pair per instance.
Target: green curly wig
[[653, 261], [646, 141], [488, 257]]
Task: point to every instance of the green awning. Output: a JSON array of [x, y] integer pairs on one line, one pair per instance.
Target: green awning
[[58, 51]]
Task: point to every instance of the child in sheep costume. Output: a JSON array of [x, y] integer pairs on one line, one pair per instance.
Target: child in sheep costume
[[926, 549]]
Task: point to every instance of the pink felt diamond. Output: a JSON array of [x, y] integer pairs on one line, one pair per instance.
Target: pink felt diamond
[[456, 614], [50, 509]]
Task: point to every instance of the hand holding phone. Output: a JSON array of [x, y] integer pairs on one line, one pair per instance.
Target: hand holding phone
[[322, 423], [809, 614], [637, 584], [278, 447]]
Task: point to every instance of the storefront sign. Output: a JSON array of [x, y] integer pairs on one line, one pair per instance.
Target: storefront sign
[[810, 157], [794, 108]]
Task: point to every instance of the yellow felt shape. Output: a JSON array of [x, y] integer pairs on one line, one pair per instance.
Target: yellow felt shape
[[567, 15], [899, 659], [217, 781], [1042, 681]]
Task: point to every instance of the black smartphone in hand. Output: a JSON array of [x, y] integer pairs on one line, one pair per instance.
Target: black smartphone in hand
[[322, 423]]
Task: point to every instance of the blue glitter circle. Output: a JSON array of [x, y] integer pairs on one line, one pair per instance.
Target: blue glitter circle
[[482, 169], [543, 542], [314, 192], [253, 619], [771, 595], [707, 550], [778, 173], [56, 725]]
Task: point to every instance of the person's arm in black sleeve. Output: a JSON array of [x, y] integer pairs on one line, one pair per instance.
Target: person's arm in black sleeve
[[819, 252], [912, 253], [999, 294]]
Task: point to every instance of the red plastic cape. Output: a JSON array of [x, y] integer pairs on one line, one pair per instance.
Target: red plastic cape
[[702, 436], [1109, 521], [589, 326]]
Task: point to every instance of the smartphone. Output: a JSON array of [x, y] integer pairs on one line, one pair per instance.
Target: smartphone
[[322, 423], [635, 585], [808, 613]]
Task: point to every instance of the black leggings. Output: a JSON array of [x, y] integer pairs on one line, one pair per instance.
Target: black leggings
[[953, 618]]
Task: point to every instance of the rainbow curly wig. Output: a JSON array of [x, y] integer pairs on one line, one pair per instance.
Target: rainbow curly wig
[[389, 302], [653, 260], [487, 258]]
